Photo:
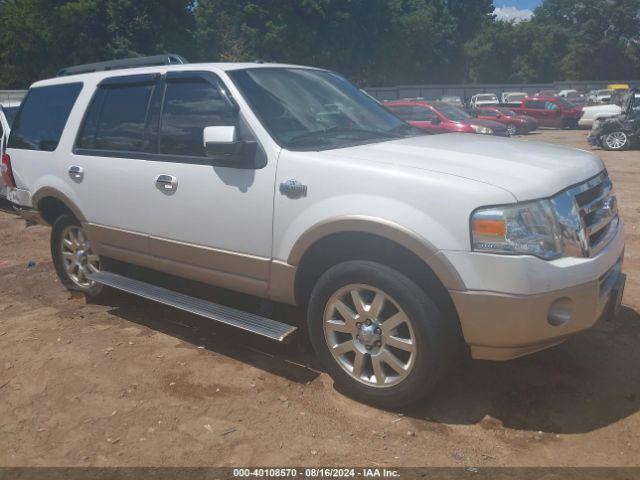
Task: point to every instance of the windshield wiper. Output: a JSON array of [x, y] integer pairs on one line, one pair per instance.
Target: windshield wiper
[[342, 131]]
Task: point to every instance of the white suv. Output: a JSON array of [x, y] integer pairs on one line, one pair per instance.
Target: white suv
[[290, 184]]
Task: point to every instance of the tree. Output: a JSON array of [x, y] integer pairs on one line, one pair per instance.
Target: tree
[[38, 37]]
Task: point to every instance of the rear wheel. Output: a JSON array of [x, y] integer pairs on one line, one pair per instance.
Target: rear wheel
[[378, 334], [73, 257], [615, 141]]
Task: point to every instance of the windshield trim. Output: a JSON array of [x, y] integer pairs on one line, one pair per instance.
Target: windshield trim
[[312, 148]]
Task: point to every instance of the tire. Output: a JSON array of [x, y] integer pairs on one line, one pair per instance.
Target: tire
[[73, 258], [512, 129], [615, 141], [427, 344]]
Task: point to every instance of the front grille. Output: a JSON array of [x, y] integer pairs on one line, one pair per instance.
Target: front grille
[[588, 216], [598, 211]]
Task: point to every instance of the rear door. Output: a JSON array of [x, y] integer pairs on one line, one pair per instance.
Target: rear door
[[553, 114], [109, 159]]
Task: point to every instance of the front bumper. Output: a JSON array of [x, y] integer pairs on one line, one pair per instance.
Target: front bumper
[[501, 326], [585, 122]]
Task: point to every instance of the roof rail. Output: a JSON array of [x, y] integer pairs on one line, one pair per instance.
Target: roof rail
[[154, 60]]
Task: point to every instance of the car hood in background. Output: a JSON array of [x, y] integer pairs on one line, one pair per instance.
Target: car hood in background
[[496, 126], [528, 170]]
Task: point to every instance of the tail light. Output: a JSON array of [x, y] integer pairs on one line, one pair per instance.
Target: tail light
[[7, 171]]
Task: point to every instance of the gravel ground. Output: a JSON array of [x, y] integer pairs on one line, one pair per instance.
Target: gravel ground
[[129, 382]]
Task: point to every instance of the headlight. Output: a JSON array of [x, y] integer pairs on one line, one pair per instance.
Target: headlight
[[483, 130], [529, 228]]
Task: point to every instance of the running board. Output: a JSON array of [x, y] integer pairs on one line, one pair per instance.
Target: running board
[[266, 327]]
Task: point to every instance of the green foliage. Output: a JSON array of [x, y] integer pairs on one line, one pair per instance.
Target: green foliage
[[565, 40], [373, 42]]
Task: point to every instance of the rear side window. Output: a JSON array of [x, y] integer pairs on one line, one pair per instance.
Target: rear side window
[[42, 117], [190, 105], [116, 119]]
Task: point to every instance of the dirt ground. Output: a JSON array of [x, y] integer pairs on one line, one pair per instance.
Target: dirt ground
[[129, 382]]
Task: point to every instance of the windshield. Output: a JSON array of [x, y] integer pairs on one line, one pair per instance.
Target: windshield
[[506, 111], [306, 109], [487, 97], [452, 113], [10, 113], [517, 96]]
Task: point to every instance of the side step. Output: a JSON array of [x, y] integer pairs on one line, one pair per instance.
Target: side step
[[229, 316]]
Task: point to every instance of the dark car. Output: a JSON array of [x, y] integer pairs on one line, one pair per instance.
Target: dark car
[[516, 124], [440, 117], [621, 132]]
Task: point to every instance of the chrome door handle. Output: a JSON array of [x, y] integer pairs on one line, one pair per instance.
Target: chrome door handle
[[76, 173], [166, 182]]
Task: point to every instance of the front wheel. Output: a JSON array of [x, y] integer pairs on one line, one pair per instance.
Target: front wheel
[[73, 257], [378, 334], [512, 129], [615, 141]]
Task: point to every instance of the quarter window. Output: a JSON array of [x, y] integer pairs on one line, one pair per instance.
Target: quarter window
[[190, 105], [41, 120]]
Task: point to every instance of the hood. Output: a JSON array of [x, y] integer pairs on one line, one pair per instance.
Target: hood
[[529, 170]]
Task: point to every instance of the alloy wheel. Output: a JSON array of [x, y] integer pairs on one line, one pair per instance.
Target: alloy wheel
[[369, 335], [616, 140], [512, 129], [77, 257]]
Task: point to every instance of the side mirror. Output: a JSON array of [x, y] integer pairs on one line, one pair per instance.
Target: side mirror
[[221, 144], [498, 115]]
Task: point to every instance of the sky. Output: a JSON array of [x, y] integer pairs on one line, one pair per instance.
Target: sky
[[515, 10]]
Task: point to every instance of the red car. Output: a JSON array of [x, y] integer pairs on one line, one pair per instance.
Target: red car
[[554, 112], [516, 124], [439, 117]]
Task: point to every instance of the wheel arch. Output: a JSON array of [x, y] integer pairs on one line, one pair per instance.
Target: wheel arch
[[382, 241], [51, 203]]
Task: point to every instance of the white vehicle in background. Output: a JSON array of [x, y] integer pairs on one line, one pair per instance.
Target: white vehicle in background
[[7, 113], [568, 93], [599, 97], [455, 100], [513, 97], [574, 96], [481, 99], [289, 184], [596, 113]]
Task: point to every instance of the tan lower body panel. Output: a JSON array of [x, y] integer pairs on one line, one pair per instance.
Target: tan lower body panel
[[500, 326], [232, 270]]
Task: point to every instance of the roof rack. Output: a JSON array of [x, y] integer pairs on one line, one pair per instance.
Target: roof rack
[[154, 60]]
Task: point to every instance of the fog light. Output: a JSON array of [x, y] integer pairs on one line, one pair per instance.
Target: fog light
[[560, 311]]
